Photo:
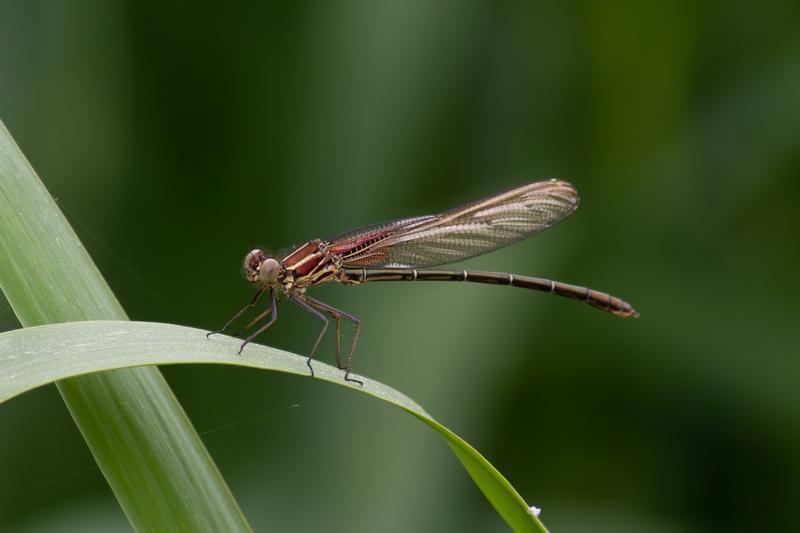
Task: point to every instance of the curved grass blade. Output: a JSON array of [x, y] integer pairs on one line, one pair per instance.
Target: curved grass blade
[[144, 444], [36, 356]]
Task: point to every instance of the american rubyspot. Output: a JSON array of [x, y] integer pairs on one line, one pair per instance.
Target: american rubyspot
[[396, 251]]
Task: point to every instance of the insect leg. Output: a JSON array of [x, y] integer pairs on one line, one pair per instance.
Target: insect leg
[[316, 304], [338, 314], [338, 342], [237, 315], [257, 319], [301, 301], [274, 309]]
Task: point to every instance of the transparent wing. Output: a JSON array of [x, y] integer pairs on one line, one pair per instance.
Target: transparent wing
[[472, 229]]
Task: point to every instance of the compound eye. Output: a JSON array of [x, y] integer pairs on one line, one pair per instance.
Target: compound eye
[[251, 265], [270, 270]]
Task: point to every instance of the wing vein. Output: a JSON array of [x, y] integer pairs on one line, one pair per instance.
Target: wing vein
[[473, 229]]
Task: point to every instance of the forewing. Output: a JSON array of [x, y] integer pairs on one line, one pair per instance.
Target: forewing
[[472, 229]]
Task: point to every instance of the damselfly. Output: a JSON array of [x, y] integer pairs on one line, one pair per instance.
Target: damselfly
[[398, 251]]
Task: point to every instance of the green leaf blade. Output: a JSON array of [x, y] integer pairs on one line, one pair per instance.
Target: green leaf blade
[[33, 357], [148, 451]]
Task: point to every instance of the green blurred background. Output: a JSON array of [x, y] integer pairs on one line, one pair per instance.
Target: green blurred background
[[177, 136]]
